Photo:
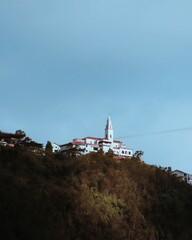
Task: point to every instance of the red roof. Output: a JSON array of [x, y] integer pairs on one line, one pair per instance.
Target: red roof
[[95, 138], [77, 143], [117, 141], [10, 135], [74, 143]]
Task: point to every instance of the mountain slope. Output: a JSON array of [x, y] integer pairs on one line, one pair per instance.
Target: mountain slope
[[90, 197]]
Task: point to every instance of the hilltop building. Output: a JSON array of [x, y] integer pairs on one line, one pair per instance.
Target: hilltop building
[[183, 176], [55, 147], [94, 144]]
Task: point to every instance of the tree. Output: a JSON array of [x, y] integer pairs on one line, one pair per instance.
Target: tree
[[110, 153], [73, 152], [48, 147], [138, 154], [20, 133]]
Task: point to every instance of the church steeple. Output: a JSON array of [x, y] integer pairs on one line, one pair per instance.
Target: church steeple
[[109, 130]]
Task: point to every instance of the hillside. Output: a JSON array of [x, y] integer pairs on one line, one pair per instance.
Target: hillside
[[90, 197]]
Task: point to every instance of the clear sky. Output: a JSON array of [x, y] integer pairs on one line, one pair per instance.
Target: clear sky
[[66, 65]]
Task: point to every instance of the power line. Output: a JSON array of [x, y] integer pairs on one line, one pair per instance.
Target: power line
[[157, 133]]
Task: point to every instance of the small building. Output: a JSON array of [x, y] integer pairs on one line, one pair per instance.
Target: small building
[[183, 176], [55, 147], [93, 144]]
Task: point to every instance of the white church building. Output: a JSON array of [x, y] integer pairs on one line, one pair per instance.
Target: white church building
[[94, 144]]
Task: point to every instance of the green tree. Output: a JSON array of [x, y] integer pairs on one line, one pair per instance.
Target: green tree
[[49, 147], [110, 153]]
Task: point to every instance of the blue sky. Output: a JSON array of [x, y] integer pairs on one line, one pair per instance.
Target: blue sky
[[66, 65]]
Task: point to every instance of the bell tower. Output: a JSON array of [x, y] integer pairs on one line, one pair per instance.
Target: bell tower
[[109, 130]]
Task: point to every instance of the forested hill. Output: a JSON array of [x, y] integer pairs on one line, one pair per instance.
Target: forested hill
[[58, 197]]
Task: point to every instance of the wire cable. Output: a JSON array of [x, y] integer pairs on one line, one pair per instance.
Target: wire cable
[[157, 133]]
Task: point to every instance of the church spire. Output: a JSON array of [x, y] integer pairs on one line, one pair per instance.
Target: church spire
[[109, 130]]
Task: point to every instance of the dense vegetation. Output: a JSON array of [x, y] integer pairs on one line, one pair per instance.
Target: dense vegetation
[[90, 197]]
